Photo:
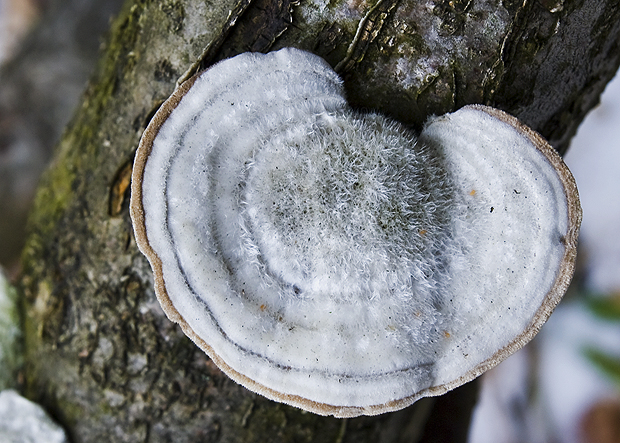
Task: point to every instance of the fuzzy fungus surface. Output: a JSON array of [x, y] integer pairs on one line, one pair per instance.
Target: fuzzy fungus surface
[[331, 259]]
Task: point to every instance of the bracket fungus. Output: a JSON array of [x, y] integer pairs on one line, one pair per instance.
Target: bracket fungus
[[331, 260]]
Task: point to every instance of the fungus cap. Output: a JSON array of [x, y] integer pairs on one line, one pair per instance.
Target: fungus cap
[[330, 260]]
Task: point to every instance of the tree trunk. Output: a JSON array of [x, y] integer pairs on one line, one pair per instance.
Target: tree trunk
[[100, 354]]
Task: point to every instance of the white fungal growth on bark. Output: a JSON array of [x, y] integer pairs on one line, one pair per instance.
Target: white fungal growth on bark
[[326, 258]]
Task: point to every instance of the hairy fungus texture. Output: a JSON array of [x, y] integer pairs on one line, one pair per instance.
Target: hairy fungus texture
[[327, 258]]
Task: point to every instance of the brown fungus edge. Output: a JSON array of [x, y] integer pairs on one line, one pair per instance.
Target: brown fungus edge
[[549, 303]]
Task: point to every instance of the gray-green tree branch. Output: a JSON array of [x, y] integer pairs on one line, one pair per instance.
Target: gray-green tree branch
[[100, 354]]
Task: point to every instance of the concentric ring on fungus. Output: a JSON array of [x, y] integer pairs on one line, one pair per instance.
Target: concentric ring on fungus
[[330, 260]]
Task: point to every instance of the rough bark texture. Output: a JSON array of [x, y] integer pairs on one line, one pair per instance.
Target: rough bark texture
[[100, 354]]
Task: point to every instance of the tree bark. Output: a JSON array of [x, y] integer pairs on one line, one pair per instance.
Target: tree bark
[[100, 354]]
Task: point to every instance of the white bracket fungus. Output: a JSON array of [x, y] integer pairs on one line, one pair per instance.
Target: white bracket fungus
[[325, 258]]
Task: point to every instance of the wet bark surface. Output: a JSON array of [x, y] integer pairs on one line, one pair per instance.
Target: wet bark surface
[[100, 354]]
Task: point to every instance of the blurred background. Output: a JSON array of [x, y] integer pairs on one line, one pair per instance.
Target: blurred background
[[48, 49], [561, 388]]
